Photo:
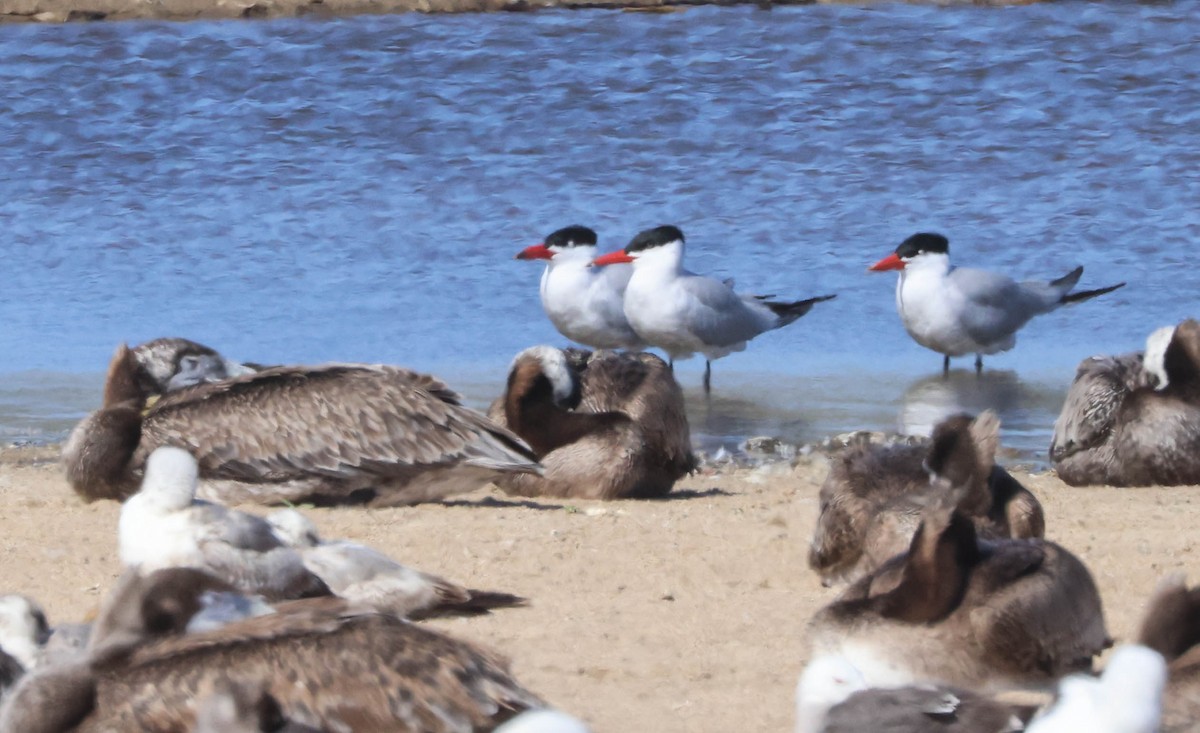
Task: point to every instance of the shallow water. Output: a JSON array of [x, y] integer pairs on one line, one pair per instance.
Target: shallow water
[[355, 189]]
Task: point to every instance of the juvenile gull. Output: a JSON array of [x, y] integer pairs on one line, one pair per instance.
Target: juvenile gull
[[1126, 698], [359, 574], [832, 696], [164, 526]]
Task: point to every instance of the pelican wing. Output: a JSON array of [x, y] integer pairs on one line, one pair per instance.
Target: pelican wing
[[642, 387], [313, 657], [339, 421]]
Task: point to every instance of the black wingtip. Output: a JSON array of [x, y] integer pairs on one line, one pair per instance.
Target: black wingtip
[[1069, 279], [480, 603], [1089, 294], [796, 309]]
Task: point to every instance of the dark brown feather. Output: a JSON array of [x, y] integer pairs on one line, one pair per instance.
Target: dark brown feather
[[626, 435], [327, 434], [871, 502]]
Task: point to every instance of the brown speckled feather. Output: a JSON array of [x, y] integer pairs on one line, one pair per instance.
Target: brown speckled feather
[[969, 612], [1119, 426], [639, 444], [291, 433], [872, 500], [326, 667]]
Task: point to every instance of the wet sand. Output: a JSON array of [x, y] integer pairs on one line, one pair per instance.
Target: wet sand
[[680, 615]]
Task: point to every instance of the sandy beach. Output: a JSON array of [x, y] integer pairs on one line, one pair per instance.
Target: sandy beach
[[680, 615]]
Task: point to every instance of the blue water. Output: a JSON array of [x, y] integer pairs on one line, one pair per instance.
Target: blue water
[[355, 189]]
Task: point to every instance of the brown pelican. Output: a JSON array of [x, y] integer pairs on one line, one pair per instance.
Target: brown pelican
[[1130, 421], [334, 433], [871, 501], [962, 611], [605, 425], [327, 667], [359, 574]]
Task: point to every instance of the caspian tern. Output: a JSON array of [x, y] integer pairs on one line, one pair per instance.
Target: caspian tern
[[683, 313], [957, 310], [584, 303]]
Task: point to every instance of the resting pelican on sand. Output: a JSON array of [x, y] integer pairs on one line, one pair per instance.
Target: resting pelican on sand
[[986, 615], [335, 433], [359, 574], [164, 526], [1134, 420], [604, 425], [957, 310], [683, 313], [325, 666], [871, 502]]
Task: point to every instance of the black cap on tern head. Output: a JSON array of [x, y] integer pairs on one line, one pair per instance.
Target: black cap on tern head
[[656, 237], [923, 242], [572, 236]]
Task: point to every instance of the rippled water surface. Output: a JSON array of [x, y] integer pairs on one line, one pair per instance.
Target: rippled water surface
[[355, 189]]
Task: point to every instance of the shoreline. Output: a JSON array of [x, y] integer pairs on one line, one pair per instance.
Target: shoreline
[[685, 614], [65, 11]]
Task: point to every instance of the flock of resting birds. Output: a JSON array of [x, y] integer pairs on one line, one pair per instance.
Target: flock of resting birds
[[226, 621]]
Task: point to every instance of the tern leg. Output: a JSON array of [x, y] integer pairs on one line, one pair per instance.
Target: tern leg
[[946, 365], [979, 363], [707, 376]]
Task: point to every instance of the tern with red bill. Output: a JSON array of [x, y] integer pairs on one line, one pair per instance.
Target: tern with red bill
[[683, 313], [585, 304], [957, 311]]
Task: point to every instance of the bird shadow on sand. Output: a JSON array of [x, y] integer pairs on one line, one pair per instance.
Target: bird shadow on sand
[[491, 501], [514, 503], [681, 494]]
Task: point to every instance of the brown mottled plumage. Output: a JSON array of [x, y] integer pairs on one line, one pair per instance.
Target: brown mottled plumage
[[332, 433], [1123, 425], [963, 611], [242, 707], [871, 502], [1171, 627], [325, 665], [605, 425]]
